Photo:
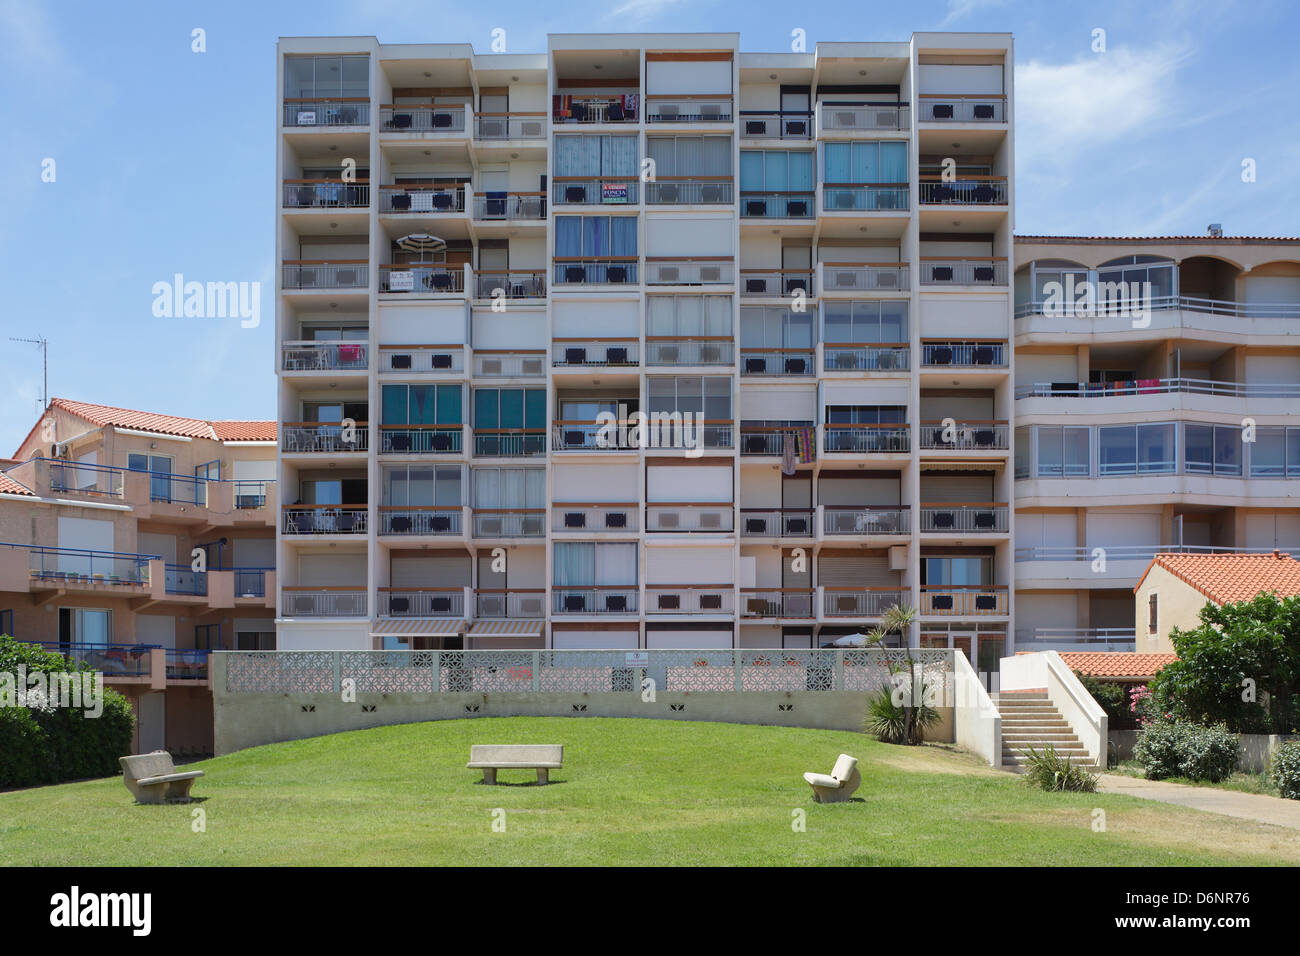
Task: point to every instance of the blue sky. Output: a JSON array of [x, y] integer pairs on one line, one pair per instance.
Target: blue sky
[[165, 158]]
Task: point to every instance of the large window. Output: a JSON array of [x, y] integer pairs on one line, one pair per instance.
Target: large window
[[1135, 272], [591, 237], [83, 625], [677, 156], [595, 156], [772, 170], [587, 564], [685, 316], [1136, 449], [326, 77], [1212, 449], [773, 327], [1275, 453], [421, 405], [422, 486], [510, 408], [956, 571], [866, 415], [709, 395], [863, 323], [865, 163], [1063, 451], [507, 488]]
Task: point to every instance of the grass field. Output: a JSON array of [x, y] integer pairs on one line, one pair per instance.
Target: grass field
[[631, 792]]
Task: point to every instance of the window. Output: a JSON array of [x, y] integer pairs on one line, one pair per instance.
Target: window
[[208, 471], [80, 625], [1212, 449], [776, 171], [326, 77], [1063, 452], [7, 623], [708, 395], [684, 316], [956, 571], [1135, 272], [255, 641], [505, 488], [866, 415], [422, 485], [595, 236], [773, 327], [1136, 449], [862, 323], [510, 408], [585, 564], [207, 637], [680, 156], [1153, 614], [1275, 453], [421, 405], [865, 163], [595, 156]]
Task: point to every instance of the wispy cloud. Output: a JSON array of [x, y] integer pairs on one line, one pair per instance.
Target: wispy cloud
[[639, 11], [961, 9]]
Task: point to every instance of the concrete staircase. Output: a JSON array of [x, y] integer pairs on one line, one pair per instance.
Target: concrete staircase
[[1030, 719]]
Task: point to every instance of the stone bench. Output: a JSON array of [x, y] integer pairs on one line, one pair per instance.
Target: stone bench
[[837, 787], [493, 757], [153, 778]]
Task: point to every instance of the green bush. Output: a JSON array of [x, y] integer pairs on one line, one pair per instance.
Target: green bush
[[1113, 698], [26, 754], [1048, 770], [888, 720], [1284, 770], [1179, 748]]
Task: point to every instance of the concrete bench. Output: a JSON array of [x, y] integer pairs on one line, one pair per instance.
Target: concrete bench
[[840, 785], [153, 778], [493, 757]]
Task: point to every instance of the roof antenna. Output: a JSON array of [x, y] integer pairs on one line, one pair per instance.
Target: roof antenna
[[43, 344]]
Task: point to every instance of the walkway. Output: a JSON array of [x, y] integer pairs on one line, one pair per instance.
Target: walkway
[[1231, 803]]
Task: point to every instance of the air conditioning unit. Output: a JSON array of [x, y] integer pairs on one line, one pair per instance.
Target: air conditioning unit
[[669, 273], [61, 449], [532, 366], [490, 366], [530, 129], [887, 120], [710, 274], [492, 128], [492, 605]]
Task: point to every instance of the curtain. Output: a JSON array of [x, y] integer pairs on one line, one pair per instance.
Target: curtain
[[575, 564], [623, 233], [776, 171], [487, 408], [393, 405], [660, 315], [893, 163], [751, 171], [619, 156], [615, 564], [449, 405], [660, 149], [717, 315], [716, 156], [568, 235], [837, 161], [487, 487]]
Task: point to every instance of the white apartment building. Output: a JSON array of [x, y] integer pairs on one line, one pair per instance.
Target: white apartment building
[[1172, 426], [807, 253]]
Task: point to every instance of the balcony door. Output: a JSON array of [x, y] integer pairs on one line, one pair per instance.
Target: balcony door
[[160, 467]]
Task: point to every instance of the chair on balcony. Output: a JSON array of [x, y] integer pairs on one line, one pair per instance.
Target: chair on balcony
[[710, 602], [670, 602], [575, 603], [575, 194], [712, 193], [985, 520], [983, 273], [616, 603], [614, 113], [575, 356], [616, 519], [440, 604], [796, 366], [983, 111], [755, 366], [941, 355], [440, 524], [304, 604], [941, 602], [575, 519], [941, 273], [944, 519], [942, 111], [442, 121], [986, 602], [755, 207], [616, 355], [755, 127], [400, 524], [399, 605], [755, 526], [575, 274], [755, 286], [982, 355]]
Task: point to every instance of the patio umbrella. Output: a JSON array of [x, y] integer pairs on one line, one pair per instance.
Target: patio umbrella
[[421, 242], [851, 640]]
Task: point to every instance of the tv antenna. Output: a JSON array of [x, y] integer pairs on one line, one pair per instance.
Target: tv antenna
[[43, 344]]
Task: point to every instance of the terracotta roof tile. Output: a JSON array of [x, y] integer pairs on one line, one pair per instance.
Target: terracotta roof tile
[[10, 487], [1120, 664], [245, 431], [1227, 578], [112, 416]]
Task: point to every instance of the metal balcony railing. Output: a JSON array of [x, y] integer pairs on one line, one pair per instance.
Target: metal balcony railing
[[109, 659], [865, 357], [860, 602], [968, 271], [763, 439], [587, 517], [508, 126], [689, 516], [326, 194], [422, 602], [991, 354], [871, 117], [865, 520], [614, 108], [324, 519], [603, 190], [864, 197], [324, 602], [181, 579], [779, 283], [711, 270], [854, 277], [778, 204], [965, 435], [187, 663], [690, 191], [606, 270], [962, 518], [778, 361], [420, 439], [311, 356], [305, 275], [511, 604], [790, 603], [964, 600], [335, 438], [509, 442], [964, 191], [688, 108], [510, 207], [509, 522], [776, 124], [1159, 386], [689, 599], [961, 108], [1127, 307], [412, 118], [703, 350], [422, 358], [777, 522], [597, 599], [866, 439], [250, 582], [77, 566], [420, 520], [614, 352], [422, 199], [422, 279], [337, 111]]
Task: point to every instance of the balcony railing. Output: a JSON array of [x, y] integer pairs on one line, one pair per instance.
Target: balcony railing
[[509, 522], [961, 108], [607, 270], [991, 354], [854, 277], [1159, 386], [701, 350], [776, 522], [963, 518], [310, 356], [597, 599], [510, 207], [866, 520], [778, 361], [871, 117], [1076, 639], [1128, 307], [512, 604], [789, 603], [966, 191], [420, 519], [187, 663], [324, 602], [422, 279], [761, 440], [421, 199], [111, 660], [326, 194], [335, 438], [964, 600], [710, 270], [99, 480], [307, 275], [509, 442], [250, 493], [688, 108], [859, 602], [965, 435], [420, 439], [865, 357], [963, 271], [422, 602], [689, 599], [508, 126], [575, 435], [675, 430], [338, 111], [613, 352], [422, 358], [182, 579], [778, 204], [866, 439], [301, 520], [587, 517], [864, 197], [776, 282], [498, 363], [602, 191], [689, 516], [607, 108], [1136, 552], [421, 119], [78, 566], [690, 191], [250, 582], [776, 124]]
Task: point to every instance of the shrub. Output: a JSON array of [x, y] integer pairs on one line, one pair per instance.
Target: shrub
[[1048, 770], [1179, 748], [1113, 698], [888, 720], [26, 755], [1284, 770]]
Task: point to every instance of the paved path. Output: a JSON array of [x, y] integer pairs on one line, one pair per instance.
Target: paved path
[[1231, 803]]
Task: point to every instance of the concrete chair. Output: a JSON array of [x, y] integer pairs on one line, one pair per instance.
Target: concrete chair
[[152, 778], [840, 785]]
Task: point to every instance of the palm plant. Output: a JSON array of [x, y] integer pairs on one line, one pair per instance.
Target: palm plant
[[892, 721]]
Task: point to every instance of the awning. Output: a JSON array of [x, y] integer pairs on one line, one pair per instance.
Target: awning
[[506, 629], [417, 626]]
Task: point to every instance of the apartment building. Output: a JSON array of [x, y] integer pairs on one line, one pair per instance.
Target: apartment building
[[138, 543], [1154, 416], [486, 258]]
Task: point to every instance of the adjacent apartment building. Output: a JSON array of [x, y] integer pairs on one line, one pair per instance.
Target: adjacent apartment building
[[139, 543], [486, 259]]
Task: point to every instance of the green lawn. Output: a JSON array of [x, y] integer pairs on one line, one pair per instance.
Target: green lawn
[[631, 792]]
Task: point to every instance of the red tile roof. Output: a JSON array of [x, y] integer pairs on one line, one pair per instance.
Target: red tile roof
[[10, 487], [112, 416], [245, 431], [1116, 664], [1227, 578]]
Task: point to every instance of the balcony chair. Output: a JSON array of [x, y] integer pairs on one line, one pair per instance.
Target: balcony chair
[[755, 207], [984, 194], [616, 603], [755, 128], [670, 602], [986, 602], [668, 354], [667, 192], [616, 355], [441, 441], [400, 121], [710, 355], [941, 355], [575, 356], [442, 121], [941, 602], [986, 520], [712, 193], [614, 113], [575, 519], [796, 366], [574, 603], [575, 194], [399, 442], [755, 366], [616, 519], [616, 274], [983, 274], [400, 524], [796, 127], [796, 526], [941, 273], [982, 355], [400, 202], [575, 439], [985, 437], [756, 286], [303, 604], [440, 604], [942, 111], [983, 111], [840, 785], [575, 274], [399, 605], [710, 602], [944, 519], [441, 281], [306, 195], [440, 524], [796, 208], [846, 604]]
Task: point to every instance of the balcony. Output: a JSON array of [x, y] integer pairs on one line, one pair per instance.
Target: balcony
[[324, 601], [329, 438], [840, 520], [1159, 386], [1126, 308], [965, 436], [776, 283], [427, 200], [977, 271], [187, 664], [310, 112], [865, 357], [864, 197], [405, 359], [856, 277], [774, 204], [305, 520], [964, 600], [420, 520], [509, 442], [586, 270], [422, 602], [400, 278], [125, 662], [251, 582], [596, 599], [972, 354], [573, 435], [688, 108], [696, 351], [868, 117], [864, 602], [689, 599], [79, 568], [777, 603], [586, 517], [439, 120], [776, 124], [678, 517], [1110, 639], [317, 356], [865, 439], [776, 522], [690, 191], [615, 352], [183, 580], [961, 108], [698, 271], [511, 604], [604, 190], [326, 194], [960, 518], [615, 108], [798, 362], [769, 440], [966, 191], [98, 481], [503, 127], [420, 439], [523, 363], [510, 207], [509, 522], [304, 275]]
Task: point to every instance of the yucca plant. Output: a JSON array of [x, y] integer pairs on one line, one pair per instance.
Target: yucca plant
[[1048, 770], [891, 721]]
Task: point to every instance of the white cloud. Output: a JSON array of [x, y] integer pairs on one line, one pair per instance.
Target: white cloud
[[639, 11], [960, 9]]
